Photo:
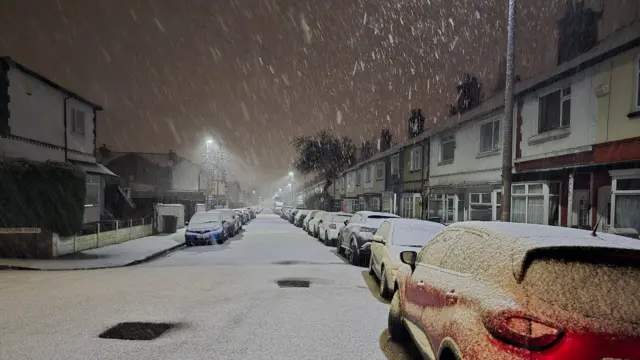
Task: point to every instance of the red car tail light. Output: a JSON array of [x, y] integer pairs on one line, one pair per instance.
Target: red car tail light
[[522, 331], [332, 226]]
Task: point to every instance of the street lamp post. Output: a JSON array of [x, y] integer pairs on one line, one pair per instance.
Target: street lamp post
[[507, 140]]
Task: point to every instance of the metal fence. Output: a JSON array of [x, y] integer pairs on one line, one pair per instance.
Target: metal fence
[[105, 233]]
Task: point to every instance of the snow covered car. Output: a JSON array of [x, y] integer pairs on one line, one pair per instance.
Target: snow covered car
[[310, 215], [330, 225], [299, 218], [312, 227], [393, 237], [509, 291], [355, 238], [205, 228]]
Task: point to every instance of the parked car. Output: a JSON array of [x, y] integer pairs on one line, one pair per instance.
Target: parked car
[[252, 212], [355, 238], [244, 216], [393, 237], [329, 227], [312, 228], [292, 215], [233, 220], [492, 290], [299, 218], [205, 228], [310, 215]]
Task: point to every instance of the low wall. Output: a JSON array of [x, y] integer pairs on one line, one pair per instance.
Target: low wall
[[27, 246], [71, 244]]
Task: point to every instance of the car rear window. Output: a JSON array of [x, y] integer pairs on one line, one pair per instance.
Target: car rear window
[[376, 220], [596, 285]]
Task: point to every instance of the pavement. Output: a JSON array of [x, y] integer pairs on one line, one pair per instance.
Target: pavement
[[223, 297], [128, 253]]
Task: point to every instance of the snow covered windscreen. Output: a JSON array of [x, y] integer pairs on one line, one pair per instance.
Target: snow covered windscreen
[[376, 220], [597, 283], [414, 234]]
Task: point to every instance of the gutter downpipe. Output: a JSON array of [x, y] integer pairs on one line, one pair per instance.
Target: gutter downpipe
[[66, 141]]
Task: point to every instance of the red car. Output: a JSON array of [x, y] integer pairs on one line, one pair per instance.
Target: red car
[[494, 291]]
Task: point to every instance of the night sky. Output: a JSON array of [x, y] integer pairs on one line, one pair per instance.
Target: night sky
[[255, 73]]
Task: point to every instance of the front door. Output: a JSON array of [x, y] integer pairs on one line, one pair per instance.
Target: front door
[[451, 209], [581, 212]]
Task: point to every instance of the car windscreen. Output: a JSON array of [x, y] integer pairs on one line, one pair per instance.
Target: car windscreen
[[205, 218], [340, 218], [415, 235], [595, 283], [376, 220]]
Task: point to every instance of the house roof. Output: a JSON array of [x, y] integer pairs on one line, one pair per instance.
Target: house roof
[[622, 40], [10, 62]]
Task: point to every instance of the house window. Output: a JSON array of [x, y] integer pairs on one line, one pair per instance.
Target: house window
[[395, 164], [535, 203], [416, 158], [480, 207], [77, 122], [380, 171], [92, 197], [367, 174], [554, 110], [447, 148], [490, 136], [358, 177], [625, 201], [637, 78]]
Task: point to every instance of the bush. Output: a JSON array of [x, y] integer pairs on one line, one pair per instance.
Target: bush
[[48, 195]]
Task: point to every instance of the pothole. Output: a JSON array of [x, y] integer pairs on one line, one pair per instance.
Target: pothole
[[136, 331], [294, 283], [287, 262]]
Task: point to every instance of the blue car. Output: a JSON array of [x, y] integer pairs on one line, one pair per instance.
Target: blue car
[[205, 228]]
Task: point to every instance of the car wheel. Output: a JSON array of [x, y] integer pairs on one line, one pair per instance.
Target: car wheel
[[354, 257], [397, 330], [339, 248], [210, 242], [384, 289], [371, 272], [188, 243], [327, 242]]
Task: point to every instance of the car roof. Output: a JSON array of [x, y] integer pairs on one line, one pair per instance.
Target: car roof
[[523, 241], [426, 223]]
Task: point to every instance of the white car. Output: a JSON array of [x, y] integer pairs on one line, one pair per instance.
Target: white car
[[312, 228], [393, 237], [330, 225], [310, 215]]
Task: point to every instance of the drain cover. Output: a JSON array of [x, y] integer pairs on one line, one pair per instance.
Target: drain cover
[[136, 331], [294, 283]]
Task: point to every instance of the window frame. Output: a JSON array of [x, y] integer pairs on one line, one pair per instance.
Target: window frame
[[415, 164], [563, 99], [617, 175], [395, 164], [495, 144], [75, 129], [379, 170], [545, 194], [367, 174], [447, 139]]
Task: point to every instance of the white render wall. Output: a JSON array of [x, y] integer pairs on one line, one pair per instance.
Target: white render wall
[[468, 166], [185, 176], [40, 117], [580, 134]]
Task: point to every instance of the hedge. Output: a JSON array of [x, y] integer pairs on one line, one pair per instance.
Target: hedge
[[48, 195]]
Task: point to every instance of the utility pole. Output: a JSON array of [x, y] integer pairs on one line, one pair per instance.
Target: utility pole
[[507, 141]]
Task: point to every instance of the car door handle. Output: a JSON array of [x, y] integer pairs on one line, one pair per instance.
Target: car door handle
[[420, 284], [451, 297]]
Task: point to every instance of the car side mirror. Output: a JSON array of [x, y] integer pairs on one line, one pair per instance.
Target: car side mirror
[[346, 222], [186, 223], [409, 258], [377, 239], [224, 221]]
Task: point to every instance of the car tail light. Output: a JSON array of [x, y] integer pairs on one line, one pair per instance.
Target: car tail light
[[366, 229], [332, 226], [522, 331]]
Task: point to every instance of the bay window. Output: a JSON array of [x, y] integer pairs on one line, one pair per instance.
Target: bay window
[[625, 200], [535, 203]]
